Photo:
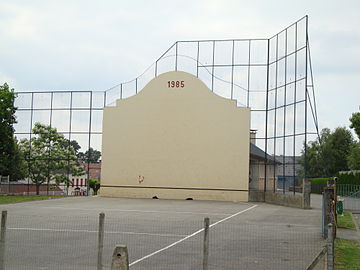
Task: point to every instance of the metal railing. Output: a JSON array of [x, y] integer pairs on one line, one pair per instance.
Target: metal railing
[[347, 190]]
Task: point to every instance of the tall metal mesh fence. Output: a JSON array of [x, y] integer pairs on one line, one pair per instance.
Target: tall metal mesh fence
[[272, 76]]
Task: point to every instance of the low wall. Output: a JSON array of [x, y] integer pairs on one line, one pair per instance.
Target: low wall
[[256, 196], [29, 189], [297, 201]]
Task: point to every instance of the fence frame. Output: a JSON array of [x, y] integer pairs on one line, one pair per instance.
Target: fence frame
[[289, 48]]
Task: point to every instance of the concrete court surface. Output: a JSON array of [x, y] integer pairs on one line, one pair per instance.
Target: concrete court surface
[[160, 234]]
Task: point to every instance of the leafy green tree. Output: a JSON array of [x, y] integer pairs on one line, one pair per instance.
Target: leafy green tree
[[336, 150], [313, 160], [353, 158], [49, 157], [355, 123], [94, 184], [328, 155], [91, 155], [18, 169], [72, 143], [10, 161]]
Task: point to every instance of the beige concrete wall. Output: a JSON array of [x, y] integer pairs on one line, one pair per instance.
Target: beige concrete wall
[[176, 143]]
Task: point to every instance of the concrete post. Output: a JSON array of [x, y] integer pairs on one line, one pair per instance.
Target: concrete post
[[206, 243], [2, 239], [306, 193], [120, 258], [335, 202], [100, 241], [330, 248], [329, 206]]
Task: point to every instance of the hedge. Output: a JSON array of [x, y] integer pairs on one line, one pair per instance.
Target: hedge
[[350, 178], [322, 180]]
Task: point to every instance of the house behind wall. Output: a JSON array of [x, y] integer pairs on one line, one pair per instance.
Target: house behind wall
[[258, 158]]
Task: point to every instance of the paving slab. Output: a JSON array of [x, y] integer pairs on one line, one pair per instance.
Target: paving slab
[[348, 234], [357, 218]]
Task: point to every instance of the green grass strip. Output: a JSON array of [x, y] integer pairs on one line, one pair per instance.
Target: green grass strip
[[347, 255], [18, 199], [345, 221]]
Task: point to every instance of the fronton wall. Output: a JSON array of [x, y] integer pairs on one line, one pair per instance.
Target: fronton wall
[[176, 139]]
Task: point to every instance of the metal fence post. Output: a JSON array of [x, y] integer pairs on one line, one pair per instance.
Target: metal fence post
[[8, 179], [2, 239], [206, 244], [324, 217], [100, 241], [330, 248], [120, 258]]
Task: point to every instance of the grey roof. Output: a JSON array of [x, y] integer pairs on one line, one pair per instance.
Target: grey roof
[[258, 153]]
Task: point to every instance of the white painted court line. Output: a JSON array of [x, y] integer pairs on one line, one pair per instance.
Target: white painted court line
[[132, 210], [191, 235], [89, 231]]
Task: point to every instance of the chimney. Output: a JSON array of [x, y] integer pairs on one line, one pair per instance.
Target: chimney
[[253, 136]]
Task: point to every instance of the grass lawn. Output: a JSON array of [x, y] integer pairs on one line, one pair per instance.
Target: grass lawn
[[17, 199], [345, 221], [347, 255]]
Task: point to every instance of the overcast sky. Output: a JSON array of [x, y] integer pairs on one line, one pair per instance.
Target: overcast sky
[[94, 45]]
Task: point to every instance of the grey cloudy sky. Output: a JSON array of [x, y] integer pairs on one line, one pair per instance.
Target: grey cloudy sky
[[93, 45]]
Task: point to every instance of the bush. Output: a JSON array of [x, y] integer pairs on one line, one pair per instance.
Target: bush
[[94, 184]]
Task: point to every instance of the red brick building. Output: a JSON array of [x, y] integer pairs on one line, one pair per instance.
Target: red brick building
[[94, 170]]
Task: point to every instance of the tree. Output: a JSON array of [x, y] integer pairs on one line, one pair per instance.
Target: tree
[[10, 162], [314, 167], [49, 157], [354, 158], [72, 143], [328, 155], [91, 156], [18, 168], [336, 150], [94, 184], [355, 123]]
